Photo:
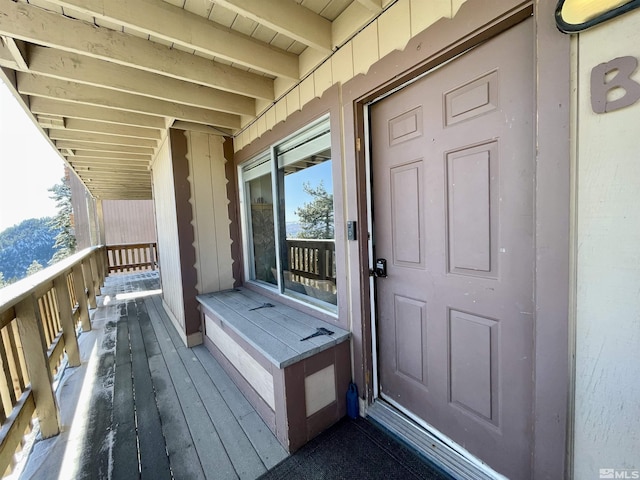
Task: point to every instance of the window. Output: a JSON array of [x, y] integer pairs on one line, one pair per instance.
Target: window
[[288, 217]]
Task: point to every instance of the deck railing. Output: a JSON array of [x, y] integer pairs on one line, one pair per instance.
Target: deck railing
[[314, 259], [132, 257], [39, 319]]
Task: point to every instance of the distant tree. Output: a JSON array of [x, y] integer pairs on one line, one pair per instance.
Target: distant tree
[[34, 267], [316, 216], [21, 244], [63, 221], [3, 283]]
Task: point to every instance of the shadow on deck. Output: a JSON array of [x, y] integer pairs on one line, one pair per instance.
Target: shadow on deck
[[143, 404]]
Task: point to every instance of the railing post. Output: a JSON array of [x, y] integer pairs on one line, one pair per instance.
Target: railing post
[[87, 284], [37, 363], [65, 315], [83, 306]]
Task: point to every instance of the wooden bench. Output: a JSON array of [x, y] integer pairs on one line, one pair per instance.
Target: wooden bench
[[297, 386]]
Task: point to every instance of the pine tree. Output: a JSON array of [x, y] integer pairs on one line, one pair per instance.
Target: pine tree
[[3, 283], [34, 267], [316, 216], [63, 221]]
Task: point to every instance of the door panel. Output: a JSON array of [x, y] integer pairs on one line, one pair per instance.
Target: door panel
[[453, 170]]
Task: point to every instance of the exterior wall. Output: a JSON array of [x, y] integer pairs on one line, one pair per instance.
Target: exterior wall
[[128, 221], [607, 390], [391, 31], [383, 56], [168, 242], [84, 214], [210, 213]]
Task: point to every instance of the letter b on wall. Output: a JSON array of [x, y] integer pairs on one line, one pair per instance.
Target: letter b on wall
[[622, 68]]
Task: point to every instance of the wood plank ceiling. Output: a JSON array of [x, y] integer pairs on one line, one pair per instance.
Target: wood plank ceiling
[[105, 78]]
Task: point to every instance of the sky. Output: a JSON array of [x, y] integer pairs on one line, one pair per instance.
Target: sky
[[29, 166]]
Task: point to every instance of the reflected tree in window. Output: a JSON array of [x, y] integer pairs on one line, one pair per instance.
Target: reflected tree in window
[[316, 216]]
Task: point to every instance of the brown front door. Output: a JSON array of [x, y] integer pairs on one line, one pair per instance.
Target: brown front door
[[453, 190]]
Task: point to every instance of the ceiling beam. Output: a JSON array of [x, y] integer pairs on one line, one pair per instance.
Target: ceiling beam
[[91, 71], [49, 106], [6, 57], [16, 51], [103, 168], [99, 167], [80, 154], [174, 24], [49, 29], [119, 191], [73, 92], [113, 173], [77, 125], [58, 134], [287, 18], [197, 127], [101, 147]]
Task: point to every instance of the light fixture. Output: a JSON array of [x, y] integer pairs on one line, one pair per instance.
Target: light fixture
[[574, 16]]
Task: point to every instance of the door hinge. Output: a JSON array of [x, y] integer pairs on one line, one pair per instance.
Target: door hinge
[[358, 146]]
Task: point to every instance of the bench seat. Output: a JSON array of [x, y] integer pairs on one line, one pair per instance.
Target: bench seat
[[297, 386]]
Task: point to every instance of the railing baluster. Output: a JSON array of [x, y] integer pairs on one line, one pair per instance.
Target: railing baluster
[[23, 376], [88, 282], [36, 319], [78, 285], [7, 391], [35, 349], [95, 275], [65, 317], [42, 304]]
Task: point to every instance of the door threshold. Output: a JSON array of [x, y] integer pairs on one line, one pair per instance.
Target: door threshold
[[429, 444]]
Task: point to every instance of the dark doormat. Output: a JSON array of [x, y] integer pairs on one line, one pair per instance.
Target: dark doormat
[[355, 449]]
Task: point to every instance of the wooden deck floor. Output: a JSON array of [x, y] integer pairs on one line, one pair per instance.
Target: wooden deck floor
[[142, 405]]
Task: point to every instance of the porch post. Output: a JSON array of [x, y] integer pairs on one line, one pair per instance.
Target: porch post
[[37, 363]]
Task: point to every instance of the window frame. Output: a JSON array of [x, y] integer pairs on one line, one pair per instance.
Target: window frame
[[322, 129]]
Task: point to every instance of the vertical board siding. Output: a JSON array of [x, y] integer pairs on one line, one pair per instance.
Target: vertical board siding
[[210, 213], [128, 221], [607, 360], [83, 213], [391, 31], [168, 243]]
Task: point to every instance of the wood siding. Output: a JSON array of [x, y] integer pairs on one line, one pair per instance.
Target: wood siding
[[128, 221], [210, 212], [168, 242], [391, 31], [84, 213], [607, 245]]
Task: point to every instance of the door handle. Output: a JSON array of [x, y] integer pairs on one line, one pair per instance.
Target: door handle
[[381, 268]]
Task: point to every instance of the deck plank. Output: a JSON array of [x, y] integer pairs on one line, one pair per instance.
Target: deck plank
[[262, 439], [125, 447], [213, 457], [189, 410], [183, 456], [154, 463]]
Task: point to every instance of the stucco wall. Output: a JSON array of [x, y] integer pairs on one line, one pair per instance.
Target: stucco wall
[[607, 419], [168, 242], [210, 212]]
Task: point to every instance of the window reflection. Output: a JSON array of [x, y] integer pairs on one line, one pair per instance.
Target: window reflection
[[300, 257], [307, 217]]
